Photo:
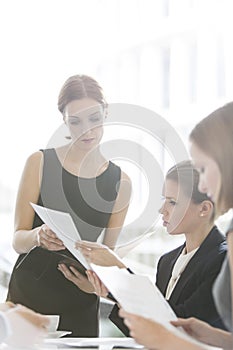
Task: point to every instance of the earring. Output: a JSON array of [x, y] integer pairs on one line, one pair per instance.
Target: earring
[[202, 214]]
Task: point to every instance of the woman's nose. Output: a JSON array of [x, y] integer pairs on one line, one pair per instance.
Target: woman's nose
[[85, 128], [202, 186], [162, 209]]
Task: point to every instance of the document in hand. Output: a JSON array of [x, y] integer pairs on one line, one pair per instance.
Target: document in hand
[[137, 294], [62, 224]]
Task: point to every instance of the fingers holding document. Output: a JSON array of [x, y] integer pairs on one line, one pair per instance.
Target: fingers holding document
[[99, 287], [73, 275], [89, 283], [99, 254], [144, 330], [48, 239], [204, 332]]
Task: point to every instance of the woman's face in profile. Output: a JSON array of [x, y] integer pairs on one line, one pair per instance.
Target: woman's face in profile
[[84, 118], [209, 173], [179, 213]]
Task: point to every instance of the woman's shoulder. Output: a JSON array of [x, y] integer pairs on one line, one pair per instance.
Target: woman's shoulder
[[34, 158], [171, 254], [39, 155], [33, 164]]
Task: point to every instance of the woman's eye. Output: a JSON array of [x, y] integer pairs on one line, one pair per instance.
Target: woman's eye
[[200, 170], [95, 119], [73, 121], [172, 202]]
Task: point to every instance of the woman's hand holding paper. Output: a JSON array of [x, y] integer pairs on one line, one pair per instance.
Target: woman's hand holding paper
[[77, 278], [47, 239], [99, 254], [99, 287]]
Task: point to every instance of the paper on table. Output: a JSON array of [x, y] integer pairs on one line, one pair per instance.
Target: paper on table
[[137, 294], [62, 224], [116, 342]]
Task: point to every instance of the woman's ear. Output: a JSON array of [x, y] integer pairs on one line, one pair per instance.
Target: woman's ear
[[206, 208], [105, 110], [68, 137]]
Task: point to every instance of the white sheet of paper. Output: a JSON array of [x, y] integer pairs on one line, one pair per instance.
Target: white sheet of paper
[[137, 294], [131, 291], [62, 224], [121, 342]]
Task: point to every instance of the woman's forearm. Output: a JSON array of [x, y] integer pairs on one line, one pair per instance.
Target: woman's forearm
[[173, 342], [25, 240], [222, 339]]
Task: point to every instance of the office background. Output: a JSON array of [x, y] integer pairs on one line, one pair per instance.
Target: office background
[[173, 57]]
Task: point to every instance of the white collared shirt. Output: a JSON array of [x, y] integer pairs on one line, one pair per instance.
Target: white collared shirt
[[178, 268]]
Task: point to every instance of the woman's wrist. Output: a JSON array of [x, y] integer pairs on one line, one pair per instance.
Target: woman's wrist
[[222, 338], [25, 240], [173, 342], [37, 237]]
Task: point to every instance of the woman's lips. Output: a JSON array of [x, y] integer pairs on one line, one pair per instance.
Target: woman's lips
[[88, 140]]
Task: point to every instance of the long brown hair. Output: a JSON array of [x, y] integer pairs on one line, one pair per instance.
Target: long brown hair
[[214, 136]]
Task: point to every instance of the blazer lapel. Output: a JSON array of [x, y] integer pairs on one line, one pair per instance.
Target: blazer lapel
[[213, 239], [185, 277], [168, 272]]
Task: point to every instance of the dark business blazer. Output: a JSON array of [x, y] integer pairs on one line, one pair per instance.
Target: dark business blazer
[[192, 295], [222, 290]]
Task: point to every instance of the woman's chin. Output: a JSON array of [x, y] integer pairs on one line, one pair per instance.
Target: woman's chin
[[173, 232]]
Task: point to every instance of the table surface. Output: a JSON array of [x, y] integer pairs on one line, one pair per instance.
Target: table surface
[[104, 343]]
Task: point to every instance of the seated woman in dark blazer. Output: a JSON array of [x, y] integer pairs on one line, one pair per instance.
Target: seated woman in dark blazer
[[186, 274]]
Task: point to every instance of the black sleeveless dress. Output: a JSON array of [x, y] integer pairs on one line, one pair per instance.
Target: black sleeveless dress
[[35, 281]]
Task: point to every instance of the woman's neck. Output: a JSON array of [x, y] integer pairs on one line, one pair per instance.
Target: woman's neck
[[195, 238], [83, 163]]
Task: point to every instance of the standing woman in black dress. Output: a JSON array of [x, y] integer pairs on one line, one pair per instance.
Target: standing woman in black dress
[[74, 178]]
